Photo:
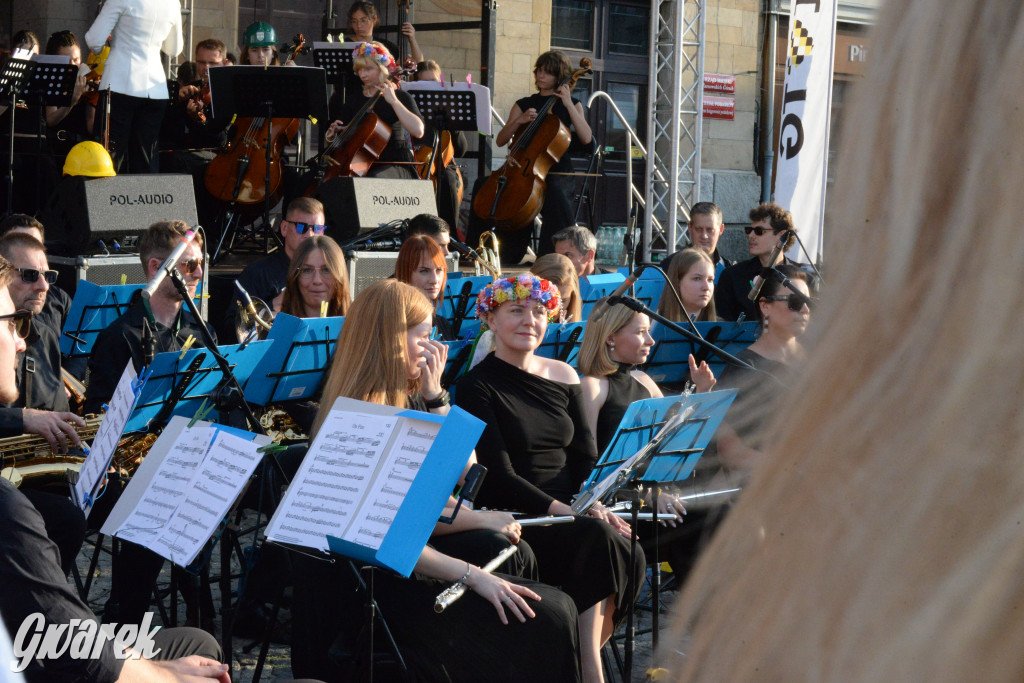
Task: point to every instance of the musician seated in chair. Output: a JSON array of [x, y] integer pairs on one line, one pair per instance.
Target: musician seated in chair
[[578, 244], [396, 109], [58, 303], [41, 407], [266, 279], [550, 69]]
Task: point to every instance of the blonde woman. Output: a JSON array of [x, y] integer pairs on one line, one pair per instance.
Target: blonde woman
[[559, 271], [316, 275], [385, 355], [692, 274], [880, 538]]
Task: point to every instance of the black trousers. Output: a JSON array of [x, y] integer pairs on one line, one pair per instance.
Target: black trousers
[[65, 523], [134, 131]]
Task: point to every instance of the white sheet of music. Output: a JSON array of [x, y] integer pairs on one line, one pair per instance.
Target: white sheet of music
[[105, 443], [353, 479]]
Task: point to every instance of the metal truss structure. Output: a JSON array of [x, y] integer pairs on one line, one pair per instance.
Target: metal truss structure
[[675, 100]]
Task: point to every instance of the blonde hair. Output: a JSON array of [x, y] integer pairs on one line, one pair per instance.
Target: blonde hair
[[680, 265], [559, 271], [881, 539], [369, 358], [595, 358], [291, 302]]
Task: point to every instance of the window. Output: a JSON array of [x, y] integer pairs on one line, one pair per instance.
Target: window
[[627, 30], [572, 24]]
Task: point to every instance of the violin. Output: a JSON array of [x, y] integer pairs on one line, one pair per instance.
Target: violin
[[237, 175], [513, 195], [95, 61]]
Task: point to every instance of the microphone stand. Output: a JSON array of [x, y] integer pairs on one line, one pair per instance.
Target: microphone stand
[[639, 307]]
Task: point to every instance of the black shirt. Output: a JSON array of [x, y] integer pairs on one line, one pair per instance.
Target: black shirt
[[732, 289], [55, 310], [122, 342], [32, 581], [623, 389], [263, 279], [40, 384]]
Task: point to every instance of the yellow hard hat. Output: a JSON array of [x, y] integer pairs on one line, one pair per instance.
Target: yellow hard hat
[[88, 158]]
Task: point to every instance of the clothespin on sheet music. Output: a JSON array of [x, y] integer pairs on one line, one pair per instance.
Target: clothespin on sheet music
[[187, 345], [204, 408], [140, 381], [469, 79], [124, 279], [323, 309], [271, 448]]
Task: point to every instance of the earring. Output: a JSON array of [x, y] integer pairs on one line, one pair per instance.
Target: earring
[[611, 345]]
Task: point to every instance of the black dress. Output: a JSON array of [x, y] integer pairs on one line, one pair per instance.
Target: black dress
[[756, 395], [537, 449], [398, 148], [623, 389]]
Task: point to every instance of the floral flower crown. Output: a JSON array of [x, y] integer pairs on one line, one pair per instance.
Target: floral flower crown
[[377, 53], [520, 288]]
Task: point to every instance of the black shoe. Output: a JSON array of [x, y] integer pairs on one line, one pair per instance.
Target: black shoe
[[252, 619]]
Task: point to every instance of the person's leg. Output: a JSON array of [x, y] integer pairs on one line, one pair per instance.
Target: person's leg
[[596, 627], [183, 641], [145, 134], [65, 524], [122, 113]]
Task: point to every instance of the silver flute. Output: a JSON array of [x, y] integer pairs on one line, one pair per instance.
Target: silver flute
[[456, 590]]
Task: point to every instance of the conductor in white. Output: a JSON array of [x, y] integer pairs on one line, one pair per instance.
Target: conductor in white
[[138, 30]]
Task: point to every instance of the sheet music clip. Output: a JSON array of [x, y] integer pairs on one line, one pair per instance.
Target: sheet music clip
[[140, 381], [272, 447], [204, 408]]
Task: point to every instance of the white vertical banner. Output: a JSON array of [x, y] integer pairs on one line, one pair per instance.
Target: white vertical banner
[[802, 168]]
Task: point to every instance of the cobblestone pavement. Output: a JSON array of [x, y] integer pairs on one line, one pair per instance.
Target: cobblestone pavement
[[278, 663]]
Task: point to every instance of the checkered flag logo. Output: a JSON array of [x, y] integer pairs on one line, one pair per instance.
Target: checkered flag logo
[[801, 46]]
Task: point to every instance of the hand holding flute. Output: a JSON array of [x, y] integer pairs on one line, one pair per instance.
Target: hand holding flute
[[499, 592]]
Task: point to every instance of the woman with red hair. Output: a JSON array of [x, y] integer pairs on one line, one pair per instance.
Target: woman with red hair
[[421, 264]]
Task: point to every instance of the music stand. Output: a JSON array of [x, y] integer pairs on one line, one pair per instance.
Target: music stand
[[562, 342], [290, 92], [12, 80], [167, 369], [459, 301], [293, 367], [336, 61], [594, 287], [669, 359], [462, 106]]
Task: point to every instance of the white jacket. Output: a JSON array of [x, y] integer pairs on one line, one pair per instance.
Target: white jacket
[[140, 30]]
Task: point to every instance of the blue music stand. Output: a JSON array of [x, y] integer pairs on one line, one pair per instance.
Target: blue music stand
[[593, 287], [457, 287], [677, 454], [669, 362], [294, 366], [648, 290], [168, 369], [93, 309], [562, 342]]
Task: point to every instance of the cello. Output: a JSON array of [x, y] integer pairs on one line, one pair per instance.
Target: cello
[[352, 152], [513, 195], [238, 174]]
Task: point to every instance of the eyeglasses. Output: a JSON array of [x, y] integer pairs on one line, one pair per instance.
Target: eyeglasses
[[757, 230], [794, 301], [192, 265], [301, 228], [30, 275], [307, 272], [20, 322]]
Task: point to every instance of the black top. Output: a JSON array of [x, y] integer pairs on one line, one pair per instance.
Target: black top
[[122, 341], [264, 279], [623, 389], [69, 131], [33, 582], [55, 310], [733, 287], [535, 445], [757, 395], [398, 147], [40, 385], [577, 148]]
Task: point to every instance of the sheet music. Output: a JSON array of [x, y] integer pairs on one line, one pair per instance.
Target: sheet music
[[334, 477], [167, 489], [105, 442], [215, 485], [388, 491]]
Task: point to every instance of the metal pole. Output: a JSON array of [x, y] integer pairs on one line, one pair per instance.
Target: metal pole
[[768, 127]]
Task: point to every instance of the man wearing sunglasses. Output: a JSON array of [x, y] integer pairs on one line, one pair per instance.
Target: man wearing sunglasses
[[58, 303], [42, 405], [768, 223], [267, 277]]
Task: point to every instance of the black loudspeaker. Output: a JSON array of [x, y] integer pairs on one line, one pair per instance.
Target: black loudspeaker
[[84, 211], [357, 205]]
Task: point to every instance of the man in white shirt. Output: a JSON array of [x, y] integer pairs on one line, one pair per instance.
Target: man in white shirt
[[139, 30]]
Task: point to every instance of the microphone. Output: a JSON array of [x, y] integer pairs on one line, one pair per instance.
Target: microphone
[[459, 247], [148, 344], [381, 245], [619, 291], [168, 263], [758, 283]]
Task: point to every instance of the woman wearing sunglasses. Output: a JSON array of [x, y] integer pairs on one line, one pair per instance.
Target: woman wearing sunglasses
[[776, 356], [316, 276], [768, 222]]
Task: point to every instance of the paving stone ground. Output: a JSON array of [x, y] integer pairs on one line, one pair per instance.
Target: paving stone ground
[[277, 667]]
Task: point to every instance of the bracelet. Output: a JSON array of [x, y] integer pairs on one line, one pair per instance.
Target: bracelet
[[462, 581], [439, 402]]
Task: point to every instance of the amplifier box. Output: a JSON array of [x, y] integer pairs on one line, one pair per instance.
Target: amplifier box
[[100, 270], [357, 205], [366, 267]]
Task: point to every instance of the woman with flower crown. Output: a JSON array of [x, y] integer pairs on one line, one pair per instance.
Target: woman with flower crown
[[374, 66], [538, 451]]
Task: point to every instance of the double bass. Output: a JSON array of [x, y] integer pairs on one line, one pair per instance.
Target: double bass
[[513, 195], [238, 174]]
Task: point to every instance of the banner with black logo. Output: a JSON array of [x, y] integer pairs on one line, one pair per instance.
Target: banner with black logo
[[802, 168]]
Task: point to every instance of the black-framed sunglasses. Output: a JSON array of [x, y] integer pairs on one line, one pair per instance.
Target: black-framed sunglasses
[[20, 322], [757, 230], [795, 302], [301, 228], [30, 275]]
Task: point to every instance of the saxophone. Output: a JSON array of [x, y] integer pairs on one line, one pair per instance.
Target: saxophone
[[29, 456]]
